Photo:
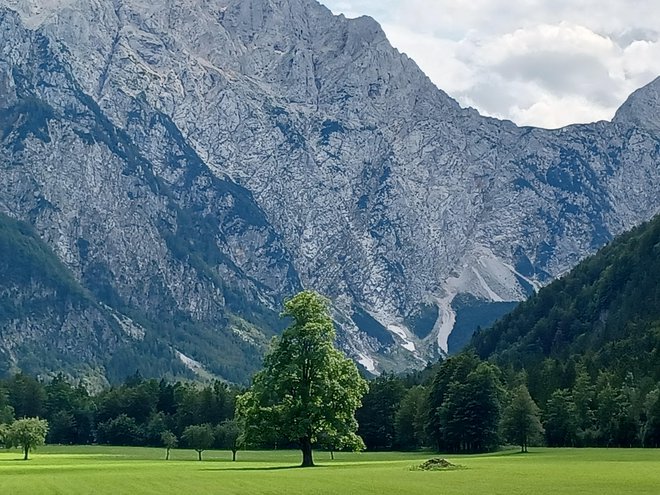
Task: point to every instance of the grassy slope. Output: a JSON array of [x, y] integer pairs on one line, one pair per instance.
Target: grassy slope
[[106, 470]]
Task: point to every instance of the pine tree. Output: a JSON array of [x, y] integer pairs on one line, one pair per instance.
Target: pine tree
[[521, 419]]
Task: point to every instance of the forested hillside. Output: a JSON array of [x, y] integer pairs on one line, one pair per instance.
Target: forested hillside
[[605, 314], [588, 345], [36, 286]]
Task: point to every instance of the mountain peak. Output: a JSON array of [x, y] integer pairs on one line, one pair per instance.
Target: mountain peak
[[197, 161], [641, 108]]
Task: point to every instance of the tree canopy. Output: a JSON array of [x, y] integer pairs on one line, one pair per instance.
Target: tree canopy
[[198, 438], [27, 433], [170, 441], [308, 390], [521, 419]]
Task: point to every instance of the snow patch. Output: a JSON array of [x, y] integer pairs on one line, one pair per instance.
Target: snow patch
[[368, 363], [403, 335], [446, 320], [536, 285]]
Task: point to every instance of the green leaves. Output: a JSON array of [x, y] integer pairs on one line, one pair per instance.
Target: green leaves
[[307, 390], [199, 438], [465, 405], [28, 433], [520, 422]]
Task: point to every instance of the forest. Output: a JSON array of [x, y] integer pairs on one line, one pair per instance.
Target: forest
[[461, 405]]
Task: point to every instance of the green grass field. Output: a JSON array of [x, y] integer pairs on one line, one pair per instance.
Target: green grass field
[[117, 470]]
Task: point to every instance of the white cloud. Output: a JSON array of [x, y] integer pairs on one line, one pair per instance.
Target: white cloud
[[537, 62]]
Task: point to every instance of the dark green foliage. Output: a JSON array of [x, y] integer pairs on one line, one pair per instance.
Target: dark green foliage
[[135, 413], [27, 396], [651, 430], [70, 412], [589, 344], [410, 419], [521, 419], [605, 312], [199, 438], [377, 415], [120, 430], [560, 420], [464, 405]]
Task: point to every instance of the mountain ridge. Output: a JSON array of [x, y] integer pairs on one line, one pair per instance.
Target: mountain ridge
[[374, 186]]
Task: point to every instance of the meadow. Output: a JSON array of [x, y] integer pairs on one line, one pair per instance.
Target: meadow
[[118, 470]]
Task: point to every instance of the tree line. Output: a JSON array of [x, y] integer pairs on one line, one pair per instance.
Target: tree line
[[311, 396], [466, 405], [139, 412], [461, 405]]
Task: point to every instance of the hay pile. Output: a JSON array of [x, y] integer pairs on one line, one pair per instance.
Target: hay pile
[[437, 464]]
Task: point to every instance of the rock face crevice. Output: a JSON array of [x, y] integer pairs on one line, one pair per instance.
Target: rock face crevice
[[192, 163]]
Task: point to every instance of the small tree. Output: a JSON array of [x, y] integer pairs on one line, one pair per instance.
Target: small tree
[[4, 431], [6, 414], [169, 441], [561, 420], [27, 433], [520, 422], [409, 419], [199, 438], [230, 436], [307, 388]]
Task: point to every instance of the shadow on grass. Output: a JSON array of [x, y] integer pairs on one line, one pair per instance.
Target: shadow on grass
[[269, 468], [511, 452]]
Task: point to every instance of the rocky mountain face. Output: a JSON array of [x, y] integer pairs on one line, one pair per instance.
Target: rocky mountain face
[[194, 162]]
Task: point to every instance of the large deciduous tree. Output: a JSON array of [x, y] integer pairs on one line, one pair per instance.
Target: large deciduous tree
[[308, 389], [230, 436]]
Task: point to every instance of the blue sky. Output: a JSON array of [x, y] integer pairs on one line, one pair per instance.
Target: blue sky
[[537, 62]]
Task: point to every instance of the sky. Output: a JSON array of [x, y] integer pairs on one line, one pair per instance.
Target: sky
[[546, 63]]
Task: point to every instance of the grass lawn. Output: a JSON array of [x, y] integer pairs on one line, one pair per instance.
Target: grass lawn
[[119, 470]]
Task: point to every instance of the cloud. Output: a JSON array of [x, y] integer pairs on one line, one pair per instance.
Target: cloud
[[537, 62]]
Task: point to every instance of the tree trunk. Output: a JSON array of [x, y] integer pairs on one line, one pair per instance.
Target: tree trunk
[[26, 449], [306, 448], [332, 455], [167, 456], [199, 455], [233, 455]]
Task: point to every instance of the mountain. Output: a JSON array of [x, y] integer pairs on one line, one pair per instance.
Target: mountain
[[605, 312], [193, 163]]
